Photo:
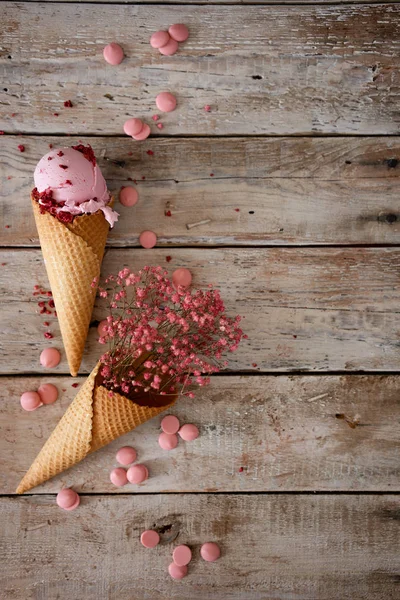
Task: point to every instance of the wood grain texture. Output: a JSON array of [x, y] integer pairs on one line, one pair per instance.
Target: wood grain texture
[[304, 308], [211, 2], [276, 546], [256, 434], [264, 70], [264, 191]]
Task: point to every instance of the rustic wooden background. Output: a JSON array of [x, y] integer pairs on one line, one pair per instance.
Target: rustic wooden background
[[296, 472]]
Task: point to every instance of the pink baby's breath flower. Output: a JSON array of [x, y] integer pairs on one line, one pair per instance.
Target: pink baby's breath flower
[[159, 336]]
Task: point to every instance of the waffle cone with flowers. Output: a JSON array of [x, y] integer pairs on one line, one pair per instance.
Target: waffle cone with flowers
[[162, 341], [95, 418]]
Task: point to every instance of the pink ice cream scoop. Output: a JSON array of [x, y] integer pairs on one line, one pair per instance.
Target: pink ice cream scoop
[[75, 182]]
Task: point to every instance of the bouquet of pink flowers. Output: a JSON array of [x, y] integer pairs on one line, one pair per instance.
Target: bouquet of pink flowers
[[162, 342]]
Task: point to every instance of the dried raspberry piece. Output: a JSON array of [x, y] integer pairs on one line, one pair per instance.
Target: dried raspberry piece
[[168, 258], [21, 148], [68, 104], [48, 335], [68, 182], [150, 152], [75, 385], [87, 152], [60, 153], [168, 213], [63, 166]]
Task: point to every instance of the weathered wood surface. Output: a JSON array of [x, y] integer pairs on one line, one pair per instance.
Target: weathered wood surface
[[277, 546], [304, 308], [256, 434], [264, 70], [286, 190], [210, 2]]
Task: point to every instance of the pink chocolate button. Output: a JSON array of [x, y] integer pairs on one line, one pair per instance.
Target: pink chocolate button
[[137, 474], [182, 277], [159, 39], [168, 441], [177, 572], [113, 54], [30, 401], [150, 538], [170, 424], [182, 555], [118, 477], [166, 102], [148, 239], [48, 393], [128, 196], [144, 134], [133, 126], [170, 48], [179, 32], [210, 551], [50, 358], [101, 326], [189, 432], [126, 455], [67, 499]]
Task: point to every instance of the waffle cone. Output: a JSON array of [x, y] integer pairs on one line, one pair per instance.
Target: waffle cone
[[93, 420], [72, 253]]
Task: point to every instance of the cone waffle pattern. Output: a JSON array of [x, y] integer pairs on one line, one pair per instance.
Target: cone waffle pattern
[[94, 419], [72, 254]]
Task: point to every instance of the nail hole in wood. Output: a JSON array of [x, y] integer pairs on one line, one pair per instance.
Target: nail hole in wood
[[391, 218], [251, 212], [348, 162], [392, 162], [256, 76]]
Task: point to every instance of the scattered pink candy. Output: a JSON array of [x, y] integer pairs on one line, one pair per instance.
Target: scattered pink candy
[[159, 39], [126, 455], [210, 551], [128, 196], [48, 393], [182, 555], [149, 538], [118, 477], [155, 117], [50, 358], [160, 125], [137, 474], [182, 277], [167, 441], [166, 102], [189, 432], [113, 54], [67, 499], [170, 48], [101, 326], [179, 32], [207, 108], [143, 134], [148, 239], [170, 424], [133, 126], [30, 401], [177, 572]]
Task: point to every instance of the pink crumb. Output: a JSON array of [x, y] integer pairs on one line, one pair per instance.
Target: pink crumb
[[21, 148], [160, 125], [48, 335], [154, 117], [207, 108]]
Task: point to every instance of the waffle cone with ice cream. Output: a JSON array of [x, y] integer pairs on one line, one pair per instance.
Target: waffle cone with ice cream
[[95, 418], [73, 211]]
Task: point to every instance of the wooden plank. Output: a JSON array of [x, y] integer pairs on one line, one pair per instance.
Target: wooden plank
[[276, 546], [263, 190], [256, 434], [211, 2], [264, 70], [304, 308]]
